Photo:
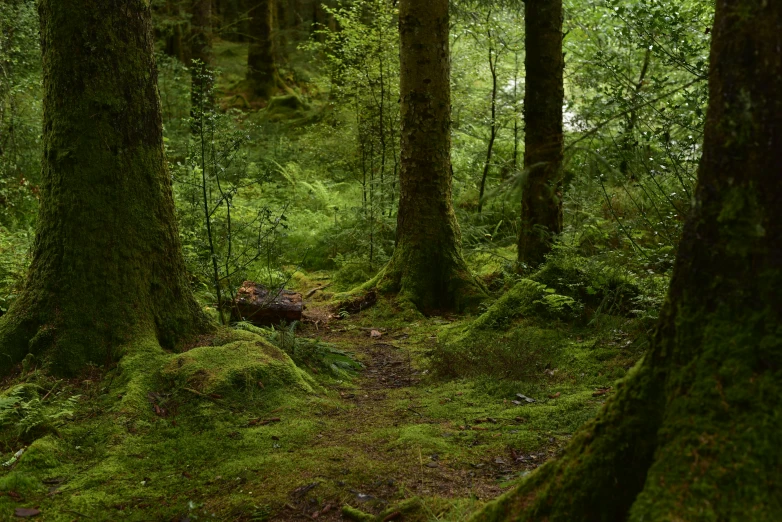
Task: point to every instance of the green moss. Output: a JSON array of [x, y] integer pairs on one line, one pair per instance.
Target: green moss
[[236, 367], [286, 108], [597, 285], [43, 454], [20, 482], [516, 302], [357, 515]]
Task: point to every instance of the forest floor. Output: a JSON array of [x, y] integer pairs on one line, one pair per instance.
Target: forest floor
[[390, 438]]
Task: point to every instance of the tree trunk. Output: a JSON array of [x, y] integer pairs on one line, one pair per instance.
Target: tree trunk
[[281, 27], [201, 31], [262, 73], [493, 58], [200, 56], [427, 267], [541, 204], [694, 432], [107, 263], [174, 46]]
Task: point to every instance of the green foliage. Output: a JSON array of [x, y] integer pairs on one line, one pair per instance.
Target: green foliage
[[20, 114], [24, 409], [14, 257], [307, 353]]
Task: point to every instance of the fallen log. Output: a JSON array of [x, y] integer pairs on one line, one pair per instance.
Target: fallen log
[[355, 304], [263, 307]]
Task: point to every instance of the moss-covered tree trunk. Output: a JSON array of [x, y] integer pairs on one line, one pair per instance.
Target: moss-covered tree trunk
[[694, 432], [107, 262], [541, 204], [262, 75], [427, 267]]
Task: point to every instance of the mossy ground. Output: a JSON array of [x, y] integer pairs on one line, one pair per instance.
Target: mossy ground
[[195, 435]]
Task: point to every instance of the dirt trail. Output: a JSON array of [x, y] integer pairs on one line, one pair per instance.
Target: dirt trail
[[372, 439]]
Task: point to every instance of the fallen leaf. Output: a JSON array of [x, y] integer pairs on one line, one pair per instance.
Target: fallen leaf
[[555, 396], [375, 334], [26, 512], [601, 391]]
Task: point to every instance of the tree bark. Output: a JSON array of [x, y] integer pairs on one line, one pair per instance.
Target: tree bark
[[201, 31], [200, 57], [262, 73], [694, 432], [174, 45], [107, 262], [541, 205], [427, 267]]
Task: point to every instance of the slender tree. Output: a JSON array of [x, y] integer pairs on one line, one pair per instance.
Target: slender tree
[[262, 74], [175, 22], [107, 264], [200, 56], [541, 205], [427, 267], [694, 432], [201, 32], [494, 56]]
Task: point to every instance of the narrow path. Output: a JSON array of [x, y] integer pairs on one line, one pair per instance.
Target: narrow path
[[380, 445]]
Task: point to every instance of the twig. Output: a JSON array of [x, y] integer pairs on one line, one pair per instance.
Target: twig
[[205, 396], [312, 292], [50, 391]]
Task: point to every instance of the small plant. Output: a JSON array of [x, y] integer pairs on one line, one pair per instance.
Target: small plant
[[24, 409], [309, 353]]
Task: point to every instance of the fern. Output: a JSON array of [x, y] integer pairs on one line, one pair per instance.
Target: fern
[[25, 410]]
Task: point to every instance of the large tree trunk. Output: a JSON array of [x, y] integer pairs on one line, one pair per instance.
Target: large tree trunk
[[694, 433], [262, 73], [541, 205], [427, 267], [107, 263]]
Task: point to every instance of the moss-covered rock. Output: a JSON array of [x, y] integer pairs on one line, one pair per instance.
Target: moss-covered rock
[[286, 108], [236, 367]]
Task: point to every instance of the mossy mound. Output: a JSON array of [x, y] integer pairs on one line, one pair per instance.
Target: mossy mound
[[598, 286], [526, 298], [236, 367], [286, 108]]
